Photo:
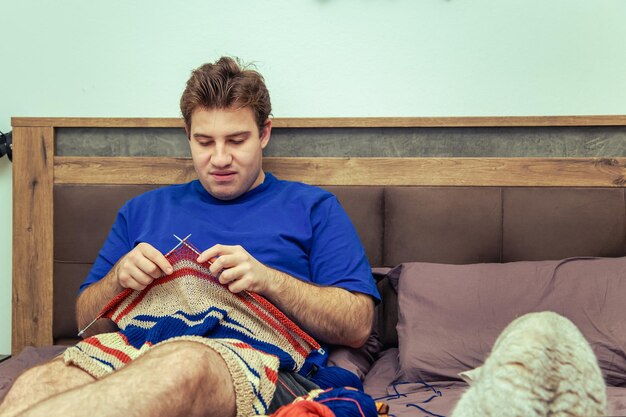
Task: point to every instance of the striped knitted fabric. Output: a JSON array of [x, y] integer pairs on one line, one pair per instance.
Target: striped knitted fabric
[[253, 337]]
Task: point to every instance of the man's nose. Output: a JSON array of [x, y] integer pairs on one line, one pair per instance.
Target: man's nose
[[221, 156]]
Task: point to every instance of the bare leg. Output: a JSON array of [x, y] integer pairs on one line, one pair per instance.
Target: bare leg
[[175, 379], [40, 383]]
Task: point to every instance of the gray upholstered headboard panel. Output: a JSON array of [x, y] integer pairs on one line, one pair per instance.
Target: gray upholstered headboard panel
[[457, 225]]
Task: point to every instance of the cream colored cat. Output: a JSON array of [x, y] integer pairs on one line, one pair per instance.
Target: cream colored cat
[[541, 365]]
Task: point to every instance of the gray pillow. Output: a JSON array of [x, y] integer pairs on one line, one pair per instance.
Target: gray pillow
[[450, 315]]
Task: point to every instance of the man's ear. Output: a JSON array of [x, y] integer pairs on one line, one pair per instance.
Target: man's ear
[[266, 133], [187, 132]]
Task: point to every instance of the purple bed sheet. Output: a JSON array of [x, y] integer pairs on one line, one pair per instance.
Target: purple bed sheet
[[404, 398], [437, 398], [409, 398]]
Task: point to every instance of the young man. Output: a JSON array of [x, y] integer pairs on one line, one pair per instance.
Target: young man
[[291, 243]]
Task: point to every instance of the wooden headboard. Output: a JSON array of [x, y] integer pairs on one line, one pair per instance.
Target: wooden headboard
[[37, 169]]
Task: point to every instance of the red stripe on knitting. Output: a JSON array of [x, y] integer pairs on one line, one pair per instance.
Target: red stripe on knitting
[[93, 341], [130, 306], [283, 330], [184, 271], [124, 338], [194, 250], [272, 375], [182, 253], [186, 252], [107, 310], [242, 345], [284, 320]]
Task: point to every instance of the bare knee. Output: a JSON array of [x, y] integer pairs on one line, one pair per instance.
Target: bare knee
[[43, 381], [57, 372], [39, 375], [190, 361], [197, 370]]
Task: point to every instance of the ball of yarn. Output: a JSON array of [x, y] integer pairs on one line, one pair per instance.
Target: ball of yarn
[[336, 377], [304, 409], [348, 402]]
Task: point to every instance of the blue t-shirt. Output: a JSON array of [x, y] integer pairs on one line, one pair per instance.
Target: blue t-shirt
[[292, 227]]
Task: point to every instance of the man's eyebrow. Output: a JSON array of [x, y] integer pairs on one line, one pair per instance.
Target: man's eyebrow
[[230, 135], [202, 135], [240, 133]]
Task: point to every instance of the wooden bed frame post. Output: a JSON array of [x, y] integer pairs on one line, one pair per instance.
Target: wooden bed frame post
[[33, 161]]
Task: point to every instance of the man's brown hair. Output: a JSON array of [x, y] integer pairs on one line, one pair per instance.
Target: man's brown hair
[[226, 84]]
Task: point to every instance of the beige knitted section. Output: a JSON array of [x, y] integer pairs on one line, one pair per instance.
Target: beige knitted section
[[250, 334]]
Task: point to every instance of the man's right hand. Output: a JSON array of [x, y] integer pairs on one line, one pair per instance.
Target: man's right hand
[[141, 266]]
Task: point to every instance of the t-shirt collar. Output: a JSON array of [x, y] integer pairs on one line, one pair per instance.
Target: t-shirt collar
[[204, 194]]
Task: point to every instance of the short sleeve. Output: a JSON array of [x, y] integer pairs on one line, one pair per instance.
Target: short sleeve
[[337, 257]]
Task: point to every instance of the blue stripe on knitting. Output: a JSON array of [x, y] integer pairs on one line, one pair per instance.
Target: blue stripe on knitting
[[198, 317], [189, 316], [109, 364], [164, 328], [206, 320], [227, 319], [254, 372], [250, 368], [286, 362], [208, 325]]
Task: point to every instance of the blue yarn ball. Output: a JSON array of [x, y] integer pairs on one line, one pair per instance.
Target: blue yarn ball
[[340, 401], [336, 377]]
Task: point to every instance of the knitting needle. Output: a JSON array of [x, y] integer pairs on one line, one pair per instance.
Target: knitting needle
[[88, 326], [175, 247], [178, 244], [182, 241]]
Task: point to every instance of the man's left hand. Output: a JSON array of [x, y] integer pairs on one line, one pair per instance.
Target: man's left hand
[[239, 270]]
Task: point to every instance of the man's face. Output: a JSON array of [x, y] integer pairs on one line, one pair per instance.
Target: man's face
[[227, 150]]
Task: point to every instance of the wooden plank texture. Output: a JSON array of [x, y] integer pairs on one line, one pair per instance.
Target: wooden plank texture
[[547, 172], [338, 122], [32, 237]]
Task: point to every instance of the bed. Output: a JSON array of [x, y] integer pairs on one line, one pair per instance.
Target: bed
[[434, 200]]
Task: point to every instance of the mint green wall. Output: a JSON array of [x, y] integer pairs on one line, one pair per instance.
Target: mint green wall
[[319, 57]]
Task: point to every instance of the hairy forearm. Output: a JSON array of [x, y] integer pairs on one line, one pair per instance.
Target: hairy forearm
[[330, 314], [92, 300]]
